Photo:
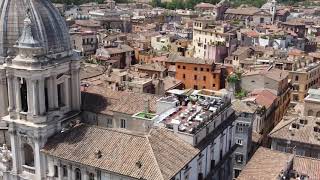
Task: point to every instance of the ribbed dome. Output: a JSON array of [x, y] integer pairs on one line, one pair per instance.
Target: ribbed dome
[[48, 27]]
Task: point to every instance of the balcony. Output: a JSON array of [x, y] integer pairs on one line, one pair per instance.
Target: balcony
[[28, 169]]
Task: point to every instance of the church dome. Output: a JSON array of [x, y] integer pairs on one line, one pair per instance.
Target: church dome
[[47, 27]]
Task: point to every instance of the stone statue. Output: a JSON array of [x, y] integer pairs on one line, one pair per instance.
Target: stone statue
[[5, 154]]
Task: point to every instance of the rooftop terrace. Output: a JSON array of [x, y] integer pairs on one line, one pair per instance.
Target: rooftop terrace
[[197, 110]]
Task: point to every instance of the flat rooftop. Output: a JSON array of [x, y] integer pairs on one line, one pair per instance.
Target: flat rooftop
[[198, 109]]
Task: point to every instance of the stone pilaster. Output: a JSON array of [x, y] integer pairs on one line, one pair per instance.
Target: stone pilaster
[[15, 148], [11, 91], [55, 92], [35, 97], [17, 94], [42, 104], [75, 87], [67, 92], [50, 93], [3, 94]]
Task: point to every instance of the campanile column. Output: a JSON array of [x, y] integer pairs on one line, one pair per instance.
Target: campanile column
[[3, 94], [42, 98], [17, 94], [35, 97], [11, 97]]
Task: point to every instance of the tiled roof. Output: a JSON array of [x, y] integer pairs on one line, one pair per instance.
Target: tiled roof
[[188, 60], [263, 97], [106, 101], [205, 5], [303, 134], [240, 106], [272, 73], [152, 67], [88, 23], [265, 165], [307, 166], [158, 155], [249, 11]]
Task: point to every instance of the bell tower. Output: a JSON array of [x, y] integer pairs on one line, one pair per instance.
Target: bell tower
[[43, 95]]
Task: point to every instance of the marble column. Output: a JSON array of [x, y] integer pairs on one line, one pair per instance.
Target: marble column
[[50, 93], [18, 94], [42, 98], [30, 96], [37, 160], [11, 96], [4, 96], [67, 92], [15, 149], [85, 174], [55, 92], [60, 171], [75, 83], [35, 97], [70, 172]]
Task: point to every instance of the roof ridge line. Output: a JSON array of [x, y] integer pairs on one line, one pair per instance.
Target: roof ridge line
[[153, 155], [272, 132], [118, 130]]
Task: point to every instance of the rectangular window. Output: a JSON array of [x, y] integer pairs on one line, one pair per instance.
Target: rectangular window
[[195, 87], [239, 158], [56, 171], [183, 67], [240, 142], [208, 69], [201, 69], [213, 85], [195, 68], [64, 171], [178, 66], [109, 123], [195, 77], [123, 123], [236, 173], [60, 89], [239, 129], [183, 76], [204, 78], [297, 78]]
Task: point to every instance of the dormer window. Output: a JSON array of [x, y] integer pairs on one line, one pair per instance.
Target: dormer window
[[294, 125]]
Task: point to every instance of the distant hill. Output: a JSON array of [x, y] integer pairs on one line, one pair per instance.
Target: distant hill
[[182, 4], [78, 2]]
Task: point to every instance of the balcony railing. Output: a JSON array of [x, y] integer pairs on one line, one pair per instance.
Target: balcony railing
[[28, 169]]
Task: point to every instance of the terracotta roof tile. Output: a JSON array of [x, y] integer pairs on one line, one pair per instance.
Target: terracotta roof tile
[[265, 165], [160, 153], [304, 134], [307, 166], [106, 101]]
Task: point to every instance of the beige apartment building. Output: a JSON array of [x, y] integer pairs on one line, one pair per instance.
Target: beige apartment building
[[212, 41], [84, 43], [302, 79]]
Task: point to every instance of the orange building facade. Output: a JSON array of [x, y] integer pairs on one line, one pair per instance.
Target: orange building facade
[[202, 76]]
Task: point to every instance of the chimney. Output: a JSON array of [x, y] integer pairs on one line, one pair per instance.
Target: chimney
[[146, 105], [97, 154]]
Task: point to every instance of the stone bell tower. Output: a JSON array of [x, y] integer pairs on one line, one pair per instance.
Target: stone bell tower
[[43, 87]]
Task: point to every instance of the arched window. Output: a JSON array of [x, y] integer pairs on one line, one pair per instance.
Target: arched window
[[310, 113], [28, 155], [91, 176], [318, 114], [78, 173]]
